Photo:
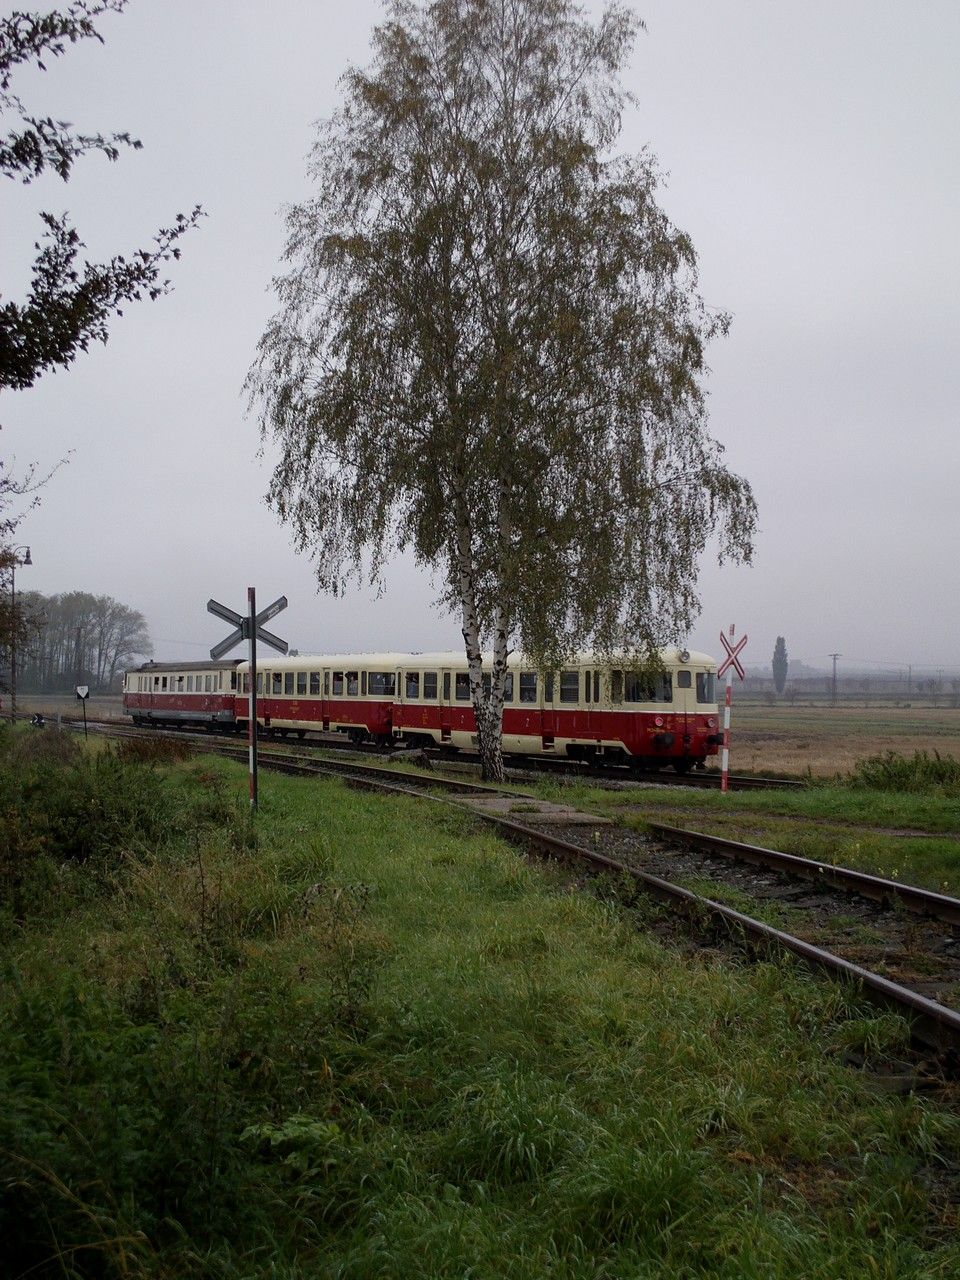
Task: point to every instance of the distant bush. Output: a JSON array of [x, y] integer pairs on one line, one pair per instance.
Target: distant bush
[[922, 773]]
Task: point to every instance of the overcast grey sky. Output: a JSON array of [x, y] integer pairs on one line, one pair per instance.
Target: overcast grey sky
[[812, 155]]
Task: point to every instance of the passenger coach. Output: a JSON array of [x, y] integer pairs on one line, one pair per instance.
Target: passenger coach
[[178, 693], [584, 711]]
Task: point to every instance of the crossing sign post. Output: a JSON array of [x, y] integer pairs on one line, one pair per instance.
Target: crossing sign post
[[249, 628], [730, 664]]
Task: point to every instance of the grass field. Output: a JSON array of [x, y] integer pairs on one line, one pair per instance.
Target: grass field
[[368, 1039]]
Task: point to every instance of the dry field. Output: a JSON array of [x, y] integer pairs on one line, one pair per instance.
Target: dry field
[[827, 740]]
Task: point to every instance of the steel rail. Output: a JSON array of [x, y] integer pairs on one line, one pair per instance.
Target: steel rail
[[538, 764], [933, 1024], [922, 901]]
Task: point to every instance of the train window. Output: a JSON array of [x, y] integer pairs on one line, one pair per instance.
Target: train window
[[259, 683], [411, 684], [179, 684], [684, 680], [429, 684], [301, 684], [487, 679], [353, 683], [233, 681], [548, 687], [314, 684], [338, 684], [163, 684], [463, 686], [382, 683], [206, 684], [616, 686], [640, 688], [189, 684], [363, 685], [326, 684], [570, 686], [508, 687], [706, 686], [528, 686], [276, 683], [446, 686], [288, 683], [596, 686]]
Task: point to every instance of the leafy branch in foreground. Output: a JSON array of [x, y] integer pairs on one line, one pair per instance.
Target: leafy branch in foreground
[[68, 304]]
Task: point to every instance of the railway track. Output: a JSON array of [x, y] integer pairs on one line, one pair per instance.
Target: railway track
[[517, 767], [904, 932]]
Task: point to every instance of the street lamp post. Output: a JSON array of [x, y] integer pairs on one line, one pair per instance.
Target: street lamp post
[[14, 561]]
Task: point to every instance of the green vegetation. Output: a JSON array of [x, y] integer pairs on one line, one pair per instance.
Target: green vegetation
[[371, 1040], [921, 774]]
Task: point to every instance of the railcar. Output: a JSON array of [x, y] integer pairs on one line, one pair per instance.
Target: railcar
[[587, 710], [182, 693]]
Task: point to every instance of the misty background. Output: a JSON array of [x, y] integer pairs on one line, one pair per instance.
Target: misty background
[[811, 154]]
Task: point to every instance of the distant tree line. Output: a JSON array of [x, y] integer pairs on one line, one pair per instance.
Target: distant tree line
[[77, 638]]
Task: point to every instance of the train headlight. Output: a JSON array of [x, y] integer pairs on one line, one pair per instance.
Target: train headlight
[[684, 655], [711, 723], [658, 721]]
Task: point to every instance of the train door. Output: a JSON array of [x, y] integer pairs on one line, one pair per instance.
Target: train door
[[446, 704], [548, 712], [263, 715], [684, 706]]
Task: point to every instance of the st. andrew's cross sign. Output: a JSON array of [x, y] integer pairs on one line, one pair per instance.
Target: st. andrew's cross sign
[[733, 651], [249, 628]]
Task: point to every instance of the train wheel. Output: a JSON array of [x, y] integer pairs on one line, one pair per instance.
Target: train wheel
[[682, 766]]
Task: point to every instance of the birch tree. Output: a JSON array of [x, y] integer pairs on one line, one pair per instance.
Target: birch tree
[[489, 346]]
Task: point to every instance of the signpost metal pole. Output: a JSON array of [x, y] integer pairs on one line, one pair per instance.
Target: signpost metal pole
[[252, 624], [83, 692]]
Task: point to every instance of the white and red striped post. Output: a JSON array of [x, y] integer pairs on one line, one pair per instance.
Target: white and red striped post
[[730, 664], [727, 699], [252, 624]]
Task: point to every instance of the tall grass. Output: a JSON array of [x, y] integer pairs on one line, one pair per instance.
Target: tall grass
[[921, 774], [370, 1040]]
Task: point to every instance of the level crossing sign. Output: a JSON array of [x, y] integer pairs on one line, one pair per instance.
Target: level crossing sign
[[249, 628], [245, 627], [733, 651]]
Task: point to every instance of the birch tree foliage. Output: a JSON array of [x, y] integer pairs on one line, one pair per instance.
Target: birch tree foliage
[[489, 347]]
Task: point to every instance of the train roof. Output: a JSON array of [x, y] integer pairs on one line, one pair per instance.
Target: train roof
[[447, 658], [188, 664]]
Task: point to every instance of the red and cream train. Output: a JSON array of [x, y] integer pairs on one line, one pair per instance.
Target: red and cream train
[[584, 711]]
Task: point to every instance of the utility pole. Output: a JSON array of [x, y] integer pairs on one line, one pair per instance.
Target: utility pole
[[834, 656]]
